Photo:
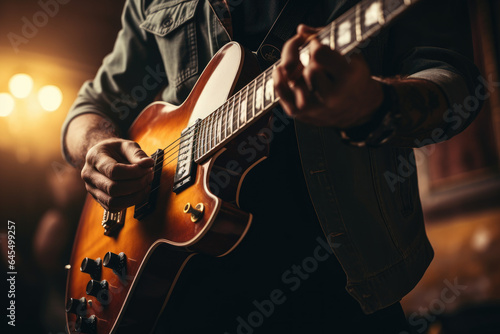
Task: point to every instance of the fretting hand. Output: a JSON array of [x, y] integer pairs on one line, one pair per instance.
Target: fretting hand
[[329, 91]]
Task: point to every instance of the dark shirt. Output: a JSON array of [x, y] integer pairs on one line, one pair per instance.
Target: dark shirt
[[234, 294]]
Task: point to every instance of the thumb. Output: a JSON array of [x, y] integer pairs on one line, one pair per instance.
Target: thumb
[[135, 155]]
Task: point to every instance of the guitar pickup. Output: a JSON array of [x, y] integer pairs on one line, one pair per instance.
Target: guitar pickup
[[144, 208], [185, 173]]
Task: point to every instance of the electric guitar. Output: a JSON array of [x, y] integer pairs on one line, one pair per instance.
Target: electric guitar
[[124, 265]]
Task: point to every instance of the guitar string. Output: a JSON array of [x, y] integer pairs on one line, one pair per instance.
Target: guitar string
[[213, 118], [192, 132], [218, 115]]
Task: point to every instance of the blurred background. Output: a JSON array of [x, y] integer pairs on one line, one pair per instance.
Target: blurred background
[[459, 184], [47, 51]]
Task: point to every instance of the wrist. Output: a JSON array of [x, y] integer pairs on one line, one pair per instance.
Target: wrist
[[84, 132], [382, 124]]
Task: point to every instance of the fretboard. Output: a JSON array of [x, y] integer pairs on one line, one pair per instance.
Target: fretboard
[[344, 35]]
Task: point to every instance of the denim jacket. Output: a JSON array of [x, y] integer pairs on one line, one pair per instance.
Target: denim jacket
[[366, 199]]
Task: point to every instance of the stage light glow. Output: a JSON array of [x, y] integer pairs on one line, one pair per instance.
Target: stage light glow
[[50, 97], [21, 85], [7, 104]]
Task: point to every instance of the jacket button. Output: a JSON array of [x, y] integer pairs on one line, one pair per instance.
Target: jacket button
[[167, 22]]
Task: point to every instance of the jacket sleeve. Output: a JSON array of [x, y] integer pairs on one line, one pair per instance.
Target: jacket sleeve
[[433, 42], [126, 81]]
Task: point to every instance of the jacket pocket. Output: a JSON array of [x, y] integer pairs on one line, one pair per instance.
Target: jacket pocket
[[173, 25]]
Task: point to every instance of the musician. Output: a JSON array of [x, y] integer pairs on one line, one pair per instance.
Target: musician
[[336, 204]]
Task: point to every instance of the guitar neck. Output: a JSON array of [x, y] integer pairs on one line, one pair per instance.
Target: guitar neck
[[258, 97]]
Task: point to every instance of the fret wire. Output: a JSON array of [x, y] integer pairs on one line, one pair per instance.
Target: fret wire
[[269, 74], [231, 114], [205, 125], [219, 124], [236, 112], [259, 108], [212, 132], [332, 36], [209, 125], [195, 139], [241, 109], [359, 36], [263, 97], [218, 136], [250, 102], [228, 116], [222, 122], [209, 129], [381, 17], [219, 127], [266, 83], [246, 105], [274, 92], [203, 148], [224, 117], [205, 137], [238, 116], [270, 70], [200, 136], [252, 110], [213, 136], [207, 132]]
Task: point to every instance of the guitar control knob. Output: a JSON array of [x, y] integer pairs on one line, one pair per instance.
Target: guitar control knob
[[98, 289], [76, 306], [91, 267], [196, 212], [117, 262], [86, 325]]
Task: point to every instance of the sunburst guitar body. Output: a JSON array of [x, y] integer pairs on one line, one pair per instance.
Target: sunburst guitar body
[[124, 265]]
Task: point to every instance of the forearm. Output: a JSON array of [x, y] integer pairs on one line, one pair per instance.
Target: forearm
[[83, 132], [423, 107]]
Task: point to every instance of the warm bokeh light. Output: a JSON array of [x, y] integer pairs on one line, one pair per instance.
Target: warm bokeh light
[[50, 97], [20, 85], [7, 104]]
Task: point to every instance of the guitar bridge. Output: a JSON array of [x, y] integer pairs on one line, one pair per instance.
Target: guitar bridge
[[112, 221], [144, 208]]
